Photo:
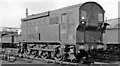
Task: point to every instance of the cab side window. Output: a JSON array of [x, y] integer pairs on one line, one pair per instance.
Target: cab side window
[[64, 21], [64, 18], [100, 17]]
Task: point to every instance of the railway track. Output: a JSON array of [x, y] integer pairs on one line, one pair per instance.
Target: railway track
[[31, 58], [49, 61]]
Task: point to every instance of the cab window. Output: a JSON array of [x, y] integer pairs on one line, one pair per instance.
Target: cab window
[[83, 15], [64, 18], [100, 17]]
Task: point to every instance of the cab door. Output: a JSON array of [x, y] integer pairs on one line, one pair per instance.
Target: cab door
[[63, 28]]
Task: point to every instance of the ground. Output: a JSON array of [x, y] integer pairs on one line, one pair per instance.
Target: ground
[[26, 62]]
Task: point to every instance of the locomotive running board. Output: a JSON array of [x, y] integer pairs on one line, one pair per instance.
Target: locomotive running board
[[41, 49]]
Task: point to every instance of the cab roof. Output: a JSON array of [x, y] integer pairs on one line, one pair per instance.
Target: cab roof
[[39, 15]]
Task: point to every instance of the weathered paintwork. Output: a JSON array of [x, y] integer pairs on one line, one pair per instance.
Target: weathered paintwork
[[61, 25]]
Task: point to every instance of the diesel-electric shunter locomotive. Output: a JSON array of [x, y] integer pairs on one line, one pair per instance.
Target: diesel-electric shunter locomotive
[[66, 34]]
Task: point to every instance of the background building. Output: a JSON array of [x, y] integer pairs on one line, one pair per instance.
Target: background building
[[112, 34], [9, 36]]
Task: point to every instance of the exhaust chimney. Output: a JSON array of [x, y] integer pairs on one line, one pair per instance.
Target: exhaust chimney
[[26, 12]]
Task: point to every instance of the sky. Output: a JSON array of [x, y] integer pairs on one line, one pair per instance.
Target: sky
[[12, 11]]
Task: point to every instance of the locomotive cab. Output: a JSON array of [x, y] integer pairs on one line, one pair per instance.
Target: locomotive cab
[[91, 20]]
